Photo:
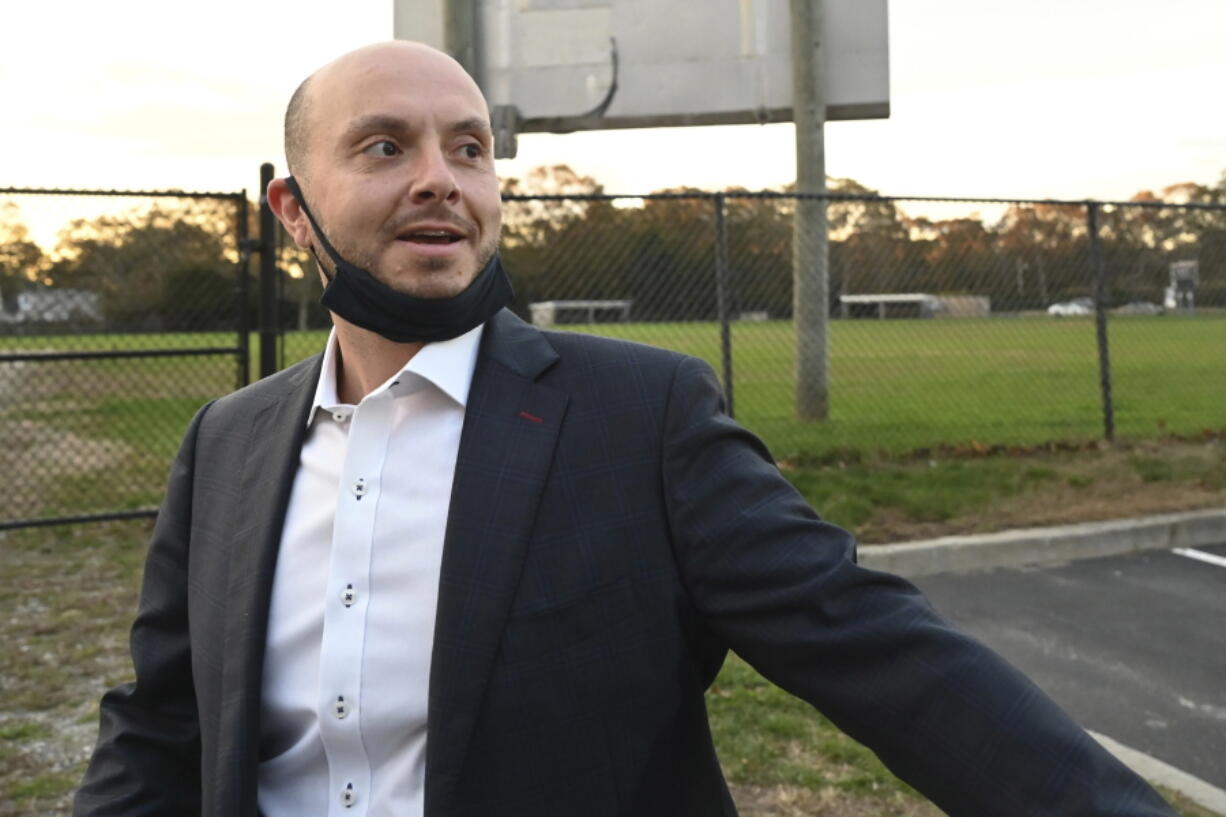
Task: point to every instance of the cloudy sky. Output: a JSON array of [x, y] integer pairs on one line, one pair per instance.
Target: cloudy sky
[[1033, 98]]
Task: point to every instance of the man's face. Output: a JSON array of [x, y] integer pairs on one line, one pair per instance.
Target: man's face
[[400, 169]]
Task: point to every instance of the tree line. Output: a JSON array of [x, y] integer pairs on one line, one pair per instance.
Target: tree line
[[662, 252], [171, 264]]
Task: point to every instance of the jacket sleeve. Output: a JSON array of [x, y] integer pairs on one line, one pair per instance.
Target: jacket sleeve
[[781, 587], [147, 759]]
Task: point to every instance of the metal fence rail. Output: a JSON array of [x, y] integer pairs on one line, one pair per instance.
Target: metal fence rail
[[114, 329]]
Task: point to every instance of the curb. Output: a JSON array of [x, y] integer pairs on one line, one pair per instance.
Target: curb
[[1205, 795], [1037, 546]]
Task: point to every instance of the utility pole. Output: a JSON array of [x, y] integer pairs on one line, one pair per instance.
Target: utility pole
[[810, 253]]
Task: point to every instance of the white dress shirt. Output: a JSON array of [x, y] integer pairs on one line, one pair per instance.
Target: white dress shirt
[[351, 623]]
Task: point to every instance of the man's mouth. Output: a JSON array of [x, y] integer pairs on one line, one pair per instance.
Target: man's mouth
[[431, 236]]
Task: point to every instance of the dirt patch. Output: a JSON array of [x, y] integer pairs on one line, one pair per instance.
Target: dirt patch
[[33, 456], [62, 642]]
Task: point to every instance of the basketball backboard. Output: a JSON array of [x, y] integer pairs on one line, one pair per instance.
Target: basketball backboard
[[566, 65]]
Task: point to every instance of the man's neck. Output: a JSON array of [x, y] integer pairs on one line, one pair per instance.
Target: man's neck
[[366, 360]]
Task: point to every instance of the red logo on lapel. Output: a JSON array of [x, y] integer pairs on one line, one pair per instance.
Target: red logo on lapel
[[531, 417]]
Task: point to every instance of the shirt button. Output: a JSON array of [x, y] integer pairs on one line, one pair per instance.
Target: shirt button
[[341, 708], [348, 796], [359, 489], [348, 596], [340, 416]]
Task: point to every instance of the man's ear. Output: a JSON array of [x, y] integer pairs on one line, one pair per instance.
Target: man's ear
[[287, 209]]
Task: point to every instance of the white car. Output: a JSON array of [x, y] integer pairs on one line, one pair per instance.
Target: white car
[[1080, 306], [1140, 308]]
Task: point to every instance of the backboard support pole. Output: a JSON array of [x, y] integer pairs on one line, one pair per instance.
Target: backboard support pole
[[505, 120], [810, 251], [462, 40], [460, 35]]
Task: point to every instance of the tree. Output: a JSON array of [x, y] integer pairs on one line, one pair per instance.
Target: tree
[[1049, 241], [760, 252], [21, 260], [531, 221], [547, 244], [870, 246], [126, 257]]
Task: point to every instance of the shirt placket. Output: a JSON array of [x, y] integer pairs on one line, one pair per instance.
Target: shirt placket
[[345, 636]]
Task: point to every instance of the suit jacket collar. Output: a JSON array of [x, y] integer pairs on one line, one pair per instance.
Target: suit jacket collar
[[517, 345]]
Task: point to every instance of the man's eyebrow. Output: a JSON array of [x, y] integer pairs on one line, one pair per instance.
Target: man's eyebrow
[[473, 124], [376, 123]]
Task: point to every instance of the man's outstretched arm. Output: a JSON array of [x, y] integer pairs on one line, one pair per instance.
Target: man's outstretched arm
[[147, 760], [944, 712]]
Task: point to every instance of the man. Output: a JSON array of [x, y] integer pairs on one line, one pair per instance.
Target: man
[[459, 566]]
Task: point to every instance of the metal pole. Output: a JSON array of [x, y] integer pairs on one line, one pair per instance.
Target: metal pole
[[268, 278], [460, 35], [274, 249], [1100, 319], [721, 297], [810, 253], [242, 287]]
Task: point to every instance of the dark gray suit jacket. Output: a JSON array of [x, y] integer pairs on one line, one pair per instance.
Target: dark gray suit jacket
[[611, 535]]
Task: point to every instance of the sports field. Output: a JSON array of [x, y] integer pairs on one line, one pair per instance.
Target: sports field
[[901, 385], [98, 435]]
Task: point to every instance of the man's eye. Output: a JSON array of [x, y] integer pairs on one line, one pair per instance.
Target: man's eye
[[473, 151], [384, 147]]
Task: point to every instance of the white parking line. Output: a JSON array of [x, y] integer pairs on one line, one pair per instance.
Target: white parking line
[[1211, 558], [1155, 771]]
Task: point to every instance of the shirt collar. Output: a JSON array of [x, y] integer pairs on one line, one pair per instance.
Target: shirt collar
[[448, 365]]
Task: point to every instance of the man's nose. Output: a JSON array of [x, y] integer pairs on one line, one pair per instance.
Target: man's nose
[[433, 178]]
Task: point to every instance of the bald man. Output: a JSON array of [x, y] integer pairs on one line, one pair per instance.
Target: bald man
[[455, 565]]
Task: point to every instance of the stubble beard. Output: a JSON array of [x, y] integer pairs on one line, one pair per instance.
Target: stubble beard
[[428, 276]]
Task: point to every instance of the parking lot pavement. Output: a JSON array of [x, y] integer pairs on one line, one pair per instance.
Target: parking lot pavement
[[1133, 646]]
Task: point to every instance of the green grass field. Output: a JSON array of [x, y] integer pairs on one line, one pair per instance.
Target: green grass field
[[99, 435], [902, 385]]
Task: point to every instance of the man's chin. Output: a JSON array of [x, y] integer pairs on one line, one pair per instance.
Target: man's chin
[[432, 279]]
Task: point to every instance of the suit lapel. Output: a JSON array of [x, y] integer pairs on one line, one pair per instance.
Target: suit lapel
[[510, 428], [271, 461]]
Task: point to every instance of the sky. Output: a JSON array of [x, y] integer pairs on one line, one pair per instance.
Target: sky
[[1007, 98]]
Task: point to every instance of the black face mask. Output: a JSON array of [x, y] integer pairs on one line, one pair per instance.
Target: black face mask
[[360, 298]]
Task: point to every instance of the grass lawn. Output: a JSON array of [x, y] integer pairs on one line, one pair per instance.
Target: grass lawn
[[84, 436], [63, 640], [903, 385]]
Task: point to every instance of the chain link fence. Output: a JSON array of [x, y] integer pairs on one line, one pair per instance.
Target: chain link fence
[[948, 322], [965, 323], [121, 313]]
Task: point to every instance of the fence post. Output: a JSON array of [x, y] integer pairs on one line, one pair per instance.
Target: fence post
[[1100, 319], [242, 287], [268, 278], [721, 297]]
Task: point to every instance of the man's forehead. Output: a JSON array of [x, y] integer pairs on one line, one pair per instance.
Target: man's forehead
[[390, 67]]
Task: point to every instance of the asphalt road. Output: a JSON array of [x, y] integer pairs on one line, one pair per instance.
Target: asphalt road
[[1133, 646]]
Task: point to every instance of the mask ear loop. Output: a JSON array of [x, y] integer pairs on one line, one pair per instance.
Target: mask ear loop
[[292, 184]]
